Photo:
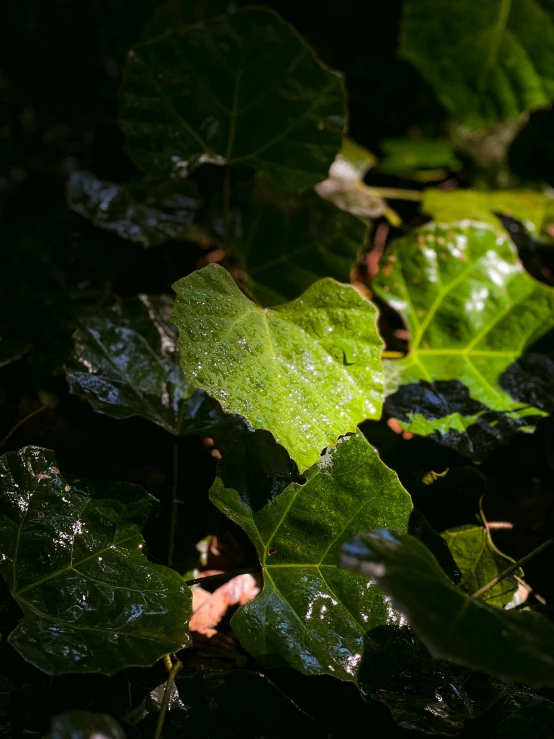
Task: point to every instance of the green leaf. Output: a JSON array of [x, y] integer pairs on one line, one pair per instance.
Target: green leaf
[[126, 364], [472, 312], [240, 89], [420, 159], [308, 371], [228, 704], [345, 186], [311, 614], [455, 205], [84, 725], [486, 63], [284, 244], [71, 555], [510, 645], [147, 212], [479, 562]]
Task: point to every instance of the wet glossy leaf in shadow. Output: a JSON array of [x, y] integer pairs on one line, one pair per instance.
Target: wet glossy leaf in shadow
[[238, 704], [84, 725], [479, 562], [126, 364], [311, 615], [308, 370], [472, 311], [240, 89], [509, 645], [285, 243], [486, 65], [149, 212], [71, 555]]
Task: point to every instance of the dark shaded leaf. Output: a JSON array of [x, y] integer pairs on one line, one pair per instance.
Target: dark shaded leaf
[[240, 704], [84, 725], [311, 614], [509, 645], [479, 562], [486, 63], [240, 89], [72, 557], [472, 311], [125, 363], [147, 212], [284, 244], [308, 371]]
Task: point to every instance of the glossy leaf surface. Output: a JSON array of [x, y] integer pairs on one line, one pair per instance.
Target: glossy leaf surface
[[311, 614], [146, 213], [454, 205], [510, 645], [237, 705], [472, 312], [308, 371], [479, 561], [71, 555], [84, 725], [240, 89], [485, 65], [284, 244], [126, 364]]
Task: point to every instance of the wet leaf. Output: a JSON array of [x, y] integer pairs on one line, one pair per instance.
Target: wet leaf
[[344, 185], [472, 312], [71, 554], [126, 364], [311, 615], [237, 705], [485, 65], [284, 244], [479, 561], [454, 205], [510, 645], [147, 212], [84, 725], [240, 89], [308, 371]]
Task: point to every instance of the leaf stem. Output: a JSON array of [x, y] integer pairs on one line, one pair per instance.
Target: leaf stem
[[174, 502], [175, 670], [512, 568], [223, 575], [20, 423], [226, 207], [392, 355], [393, 193]]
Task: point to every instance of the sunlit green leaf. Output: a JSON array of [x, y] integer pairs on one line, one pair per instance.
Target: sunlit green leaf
[[487, 62], [420, 159], [240, 89], [126, 364], [308, 371], [71, 555], [311, 614], [472, 312], [479, 561], [284, 244], [146, 212], [511, 645]]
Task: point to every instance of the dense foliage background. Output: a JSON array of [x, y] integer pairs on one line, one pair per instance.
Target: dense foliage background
[[60, 79]]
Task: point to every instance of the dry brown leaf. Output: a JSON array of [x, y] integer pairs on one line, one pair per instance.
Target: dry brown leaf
[[209, 608]]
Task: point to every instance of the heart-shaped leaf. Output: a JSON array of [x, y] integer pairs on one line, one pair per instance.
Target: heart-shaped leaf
[[479, 561], [472, 311], [284, 244], [511, 645], [126, 364], [486, 63], [240, 89], [308, 371], [71, 555], [311, 614], [148, 212]]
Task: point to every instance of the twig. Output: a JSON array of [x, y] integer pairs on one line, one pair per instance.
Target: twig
[[174, 503], [175, 670], [393, 193], [512, 568], [223, 575], [20, 423]]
